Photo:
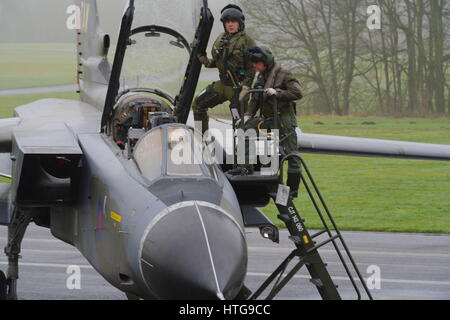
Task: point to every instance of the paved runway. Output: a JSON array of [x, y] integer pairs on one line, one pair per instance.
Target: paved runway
[[413, 266]]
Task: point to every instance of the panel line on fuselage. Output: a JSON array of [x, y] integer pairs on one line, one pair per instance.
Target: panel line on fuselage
[[219, 293]]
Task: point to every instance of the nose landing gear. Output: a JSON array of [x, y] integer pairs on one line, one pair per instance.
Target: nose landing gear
[[3, 286]]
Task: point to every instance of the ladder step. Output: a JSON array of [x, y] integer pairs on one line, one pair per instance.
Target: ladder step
[[323, 243], [315, 235]]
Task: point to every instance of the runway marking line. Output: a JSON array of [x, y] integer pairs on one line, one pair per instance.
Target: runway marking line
[[443, 283], [252, 274], [284, 249], [354, 252]]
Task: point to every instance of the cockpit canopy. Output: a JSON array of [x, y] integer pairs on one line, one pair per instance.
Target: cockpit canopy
[[158, 50], [171, 150]]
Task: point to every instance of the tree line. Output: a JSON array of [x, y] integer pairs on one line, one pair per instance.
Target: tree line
[[400, 68]]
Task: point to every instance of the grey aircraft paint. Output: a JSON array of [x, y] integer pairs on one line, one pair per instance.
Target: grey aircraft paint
[[167, 237]]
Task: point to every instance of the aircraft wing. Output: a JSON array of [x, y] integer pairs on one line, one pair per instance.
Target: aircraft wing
[[5, 172], [43, 141], [5, 165], [28, 117], [362, 147], [6, 128], [347, 146]]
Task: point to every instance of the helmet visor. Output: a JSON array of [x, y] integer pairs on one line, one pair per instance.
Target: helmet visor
[[256, 55]]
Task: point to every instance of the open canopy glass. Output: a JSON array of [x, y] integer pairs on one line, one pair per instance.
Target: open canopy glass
[[158, 52]]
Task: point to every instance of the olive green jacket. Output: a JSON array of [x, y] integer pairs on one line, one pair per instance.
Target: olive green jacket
[[230, 53], [288, 89]]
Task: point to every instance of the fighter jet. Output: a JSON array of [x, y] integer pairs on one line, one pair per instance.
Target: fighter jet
[[99, 173]]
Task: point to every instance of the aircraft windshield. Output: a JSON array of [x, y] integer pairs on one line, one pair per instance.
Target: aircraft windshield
[[148, 155], [170, 151], [155, 59]]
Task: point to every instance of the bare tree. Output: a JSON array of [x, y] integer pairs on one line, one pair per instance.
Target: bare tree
[[402, 68], [321, 36], [437, 59]]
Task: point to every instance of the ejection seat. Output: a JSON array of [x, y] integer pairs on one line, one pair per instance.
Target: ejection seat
[[134, 111]]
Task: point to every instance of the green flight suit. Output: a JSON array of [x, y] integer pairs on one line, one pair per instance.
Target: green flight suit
[[288, 90], [229, 53]]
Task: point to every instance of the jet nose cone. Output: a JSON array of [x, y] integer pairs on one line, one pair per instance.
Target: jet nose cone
[[194, 250]]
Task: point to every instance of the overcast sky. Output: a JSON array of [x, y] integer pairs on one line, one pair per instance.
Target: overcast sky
[[45, 20]]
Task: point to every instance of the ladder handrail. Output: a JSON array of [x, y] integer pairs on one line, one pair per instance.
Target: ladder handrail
[[327, 229]]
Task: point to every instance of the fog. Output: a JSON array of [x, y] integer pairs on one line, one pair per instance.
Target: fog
[[45, 20]]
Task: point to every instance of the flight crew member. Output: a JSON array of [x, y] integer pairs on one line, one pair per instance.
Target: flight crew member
[[229, 55], [281, 84]]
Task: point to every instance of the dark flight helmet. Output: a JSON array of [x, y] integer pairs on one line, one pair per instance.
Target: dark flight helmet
[[233, 12], [261, 54]]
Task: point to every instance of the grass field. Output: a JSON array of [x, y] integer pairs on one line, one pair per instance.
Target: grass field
[[33, 65], [8, 103], [362, 193], [374, 193], [381, 194]]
